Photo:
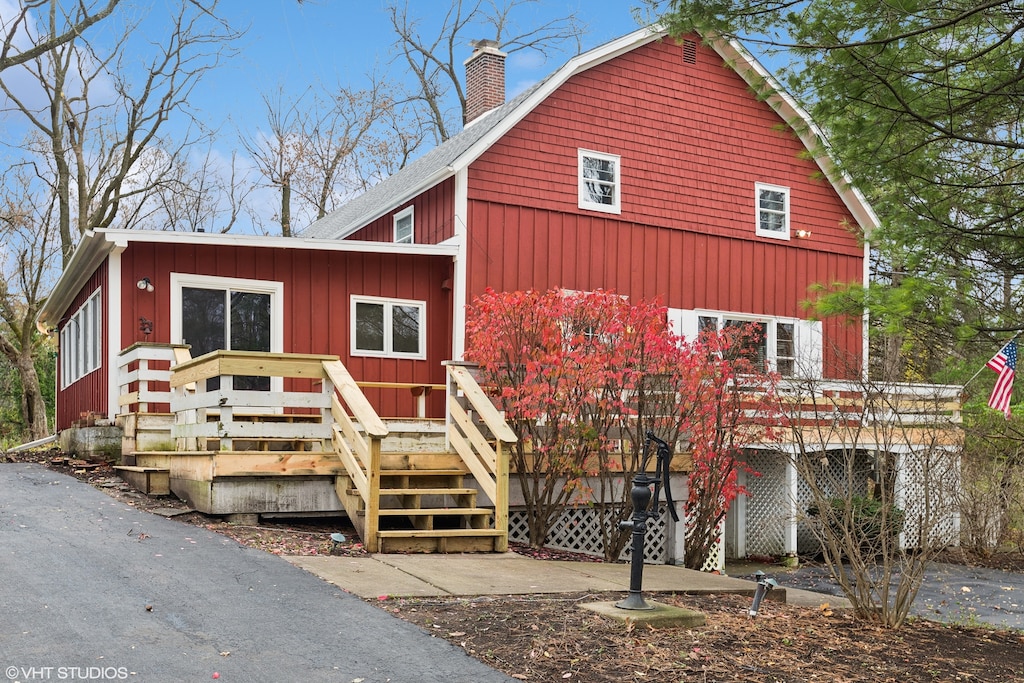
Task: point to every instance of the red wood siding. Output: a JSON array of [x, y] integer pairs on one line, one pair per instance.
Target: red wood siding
[[317, 290], [432, 218], [89, 393], [693, 142]]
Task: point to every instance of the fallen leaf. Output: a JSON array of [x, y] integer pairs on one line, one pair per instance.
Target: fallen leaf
[[457, 634], [225, 653]]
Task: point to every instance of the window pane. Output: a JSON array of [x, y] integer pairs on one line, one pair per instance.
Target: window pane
[[785, 349], [403, 230], [599, 180], [369, 327], [250, 331], [772, 221], [405, 329], [707, 324], [203, 322], [773, 200], [754, 343], [250, 321]]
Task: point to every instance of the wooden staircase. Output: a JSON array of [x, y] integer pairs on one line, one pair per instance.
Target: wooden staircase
[[425, 505]]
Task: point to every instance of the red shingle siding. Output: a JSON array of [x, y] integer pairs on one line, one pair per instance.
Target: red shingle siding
[[693, 141]]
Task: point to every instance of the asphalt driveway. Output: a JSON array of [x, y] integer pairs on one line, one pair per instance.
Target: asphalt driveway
[[950, 593], [92, 589]]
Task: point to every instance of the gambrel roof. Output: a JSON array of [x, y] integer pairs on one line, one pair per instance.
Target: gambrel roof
[[462, 149]]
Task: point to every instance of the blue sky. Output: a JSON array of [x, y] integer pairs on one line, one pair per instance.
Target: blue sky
[[296, 44]]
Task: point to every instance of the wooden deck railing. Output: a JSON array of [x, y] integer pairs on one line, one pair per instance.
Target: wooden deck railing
[[144, 375], [469, 409], [235, 408], [359, 450]]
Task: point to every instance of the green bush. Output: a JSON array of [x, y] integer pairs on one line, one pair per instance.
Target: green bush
[[867, 518]]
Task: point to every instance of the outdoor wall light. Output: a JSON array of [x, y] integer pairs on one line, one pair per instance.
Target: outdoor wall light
[[145, 284], [803, 234]]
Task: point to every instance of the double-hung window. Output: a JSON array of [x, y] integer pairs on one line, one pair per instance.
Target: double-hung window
[[404, 226], [388, 327], [772, 211], [772, 343], [599, 181], [81, 341]]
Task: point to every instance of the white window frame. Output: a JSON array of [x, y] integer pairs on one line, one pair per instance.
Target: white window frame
[[401, 215], [272, 287], [807, 339], [585, 202], [388, 303], [758, 210], [81, 341]]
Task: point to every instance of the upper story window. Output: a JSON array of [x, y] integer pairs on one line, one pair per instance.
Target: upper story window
[[81, 341], [388, 327], [404, 226], [772, 211], [599, 181]]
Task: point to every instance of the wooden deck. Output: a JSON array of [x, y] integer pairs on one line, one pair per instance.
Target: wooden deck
[[314, 445]]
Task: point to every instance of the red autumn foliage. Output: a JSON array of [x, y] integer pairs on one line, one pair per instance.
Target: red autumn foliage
[[582, 377]]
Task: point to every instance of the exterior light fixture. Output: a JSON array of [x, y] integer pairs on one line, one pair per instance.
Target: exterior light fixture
[[145, 284], [803, 234]]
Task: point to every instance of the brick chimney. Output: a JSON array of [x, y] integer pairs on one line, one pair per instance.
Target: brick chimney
[[485, 79]]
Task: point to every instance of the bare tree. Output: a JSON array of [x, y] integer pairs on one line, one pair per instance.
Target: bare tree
[[315, 147], [30, 246], [436, 62], [881, 463], [61, 28], [98, 121]]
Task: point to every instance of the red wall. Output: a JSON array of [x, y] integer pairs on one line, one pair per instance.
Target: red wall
[[317, 286], [432, 218], [90, 392], [693, 142]]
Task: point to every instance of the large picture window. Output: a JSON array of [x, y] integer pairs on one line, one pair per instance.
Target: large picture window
[[388, 327], [599, 181], [81, 341]]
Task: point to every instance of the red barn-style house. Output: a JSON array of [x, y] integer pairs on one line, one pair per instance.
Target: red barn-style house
[[650, 166]]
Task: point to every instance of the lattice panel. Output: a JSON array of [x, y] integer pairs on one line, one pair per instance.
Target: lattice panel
[[578, 530], [835, 470], [937, 474], [766, 504]]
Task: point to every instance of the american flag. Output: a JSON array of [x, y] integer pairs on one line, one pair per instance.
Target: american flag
[[1005, 363]]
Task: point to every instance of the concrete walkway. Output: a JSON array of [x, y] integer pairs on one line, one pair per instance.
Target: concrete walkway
[[513, 574]]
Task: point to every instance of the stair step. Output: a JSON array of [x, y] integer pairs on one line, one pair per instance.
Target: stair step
[[451, 472], [428, 492], [439, 533], [421, 512]]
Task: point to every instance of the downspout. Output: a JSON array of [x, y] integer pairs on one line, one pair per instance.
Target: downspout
[[113, 335]]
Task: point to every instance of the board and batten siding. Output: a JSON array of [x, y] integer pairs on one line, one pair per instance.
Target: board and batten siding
[[89, 393], [693, 141], [318, 286], [433, 212]]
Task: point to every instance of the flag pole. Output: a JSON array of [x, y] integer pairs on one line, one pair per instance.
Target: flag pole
[[983, 367]]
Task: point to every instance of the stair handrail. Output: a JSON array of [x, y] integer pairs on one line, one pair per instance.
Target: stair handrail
[[490, 465], [358, 450]]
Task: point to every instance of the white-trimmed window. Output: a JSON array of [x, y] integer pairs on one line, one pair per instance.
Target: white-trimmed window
[[789, 346], [772, 210], [389, 327], [81, 341], [404, 226], [599, 181], [211, 313]]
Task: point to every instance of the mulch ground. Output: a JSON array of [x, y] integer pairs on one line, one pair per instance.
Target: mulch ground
[[547, 638]]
